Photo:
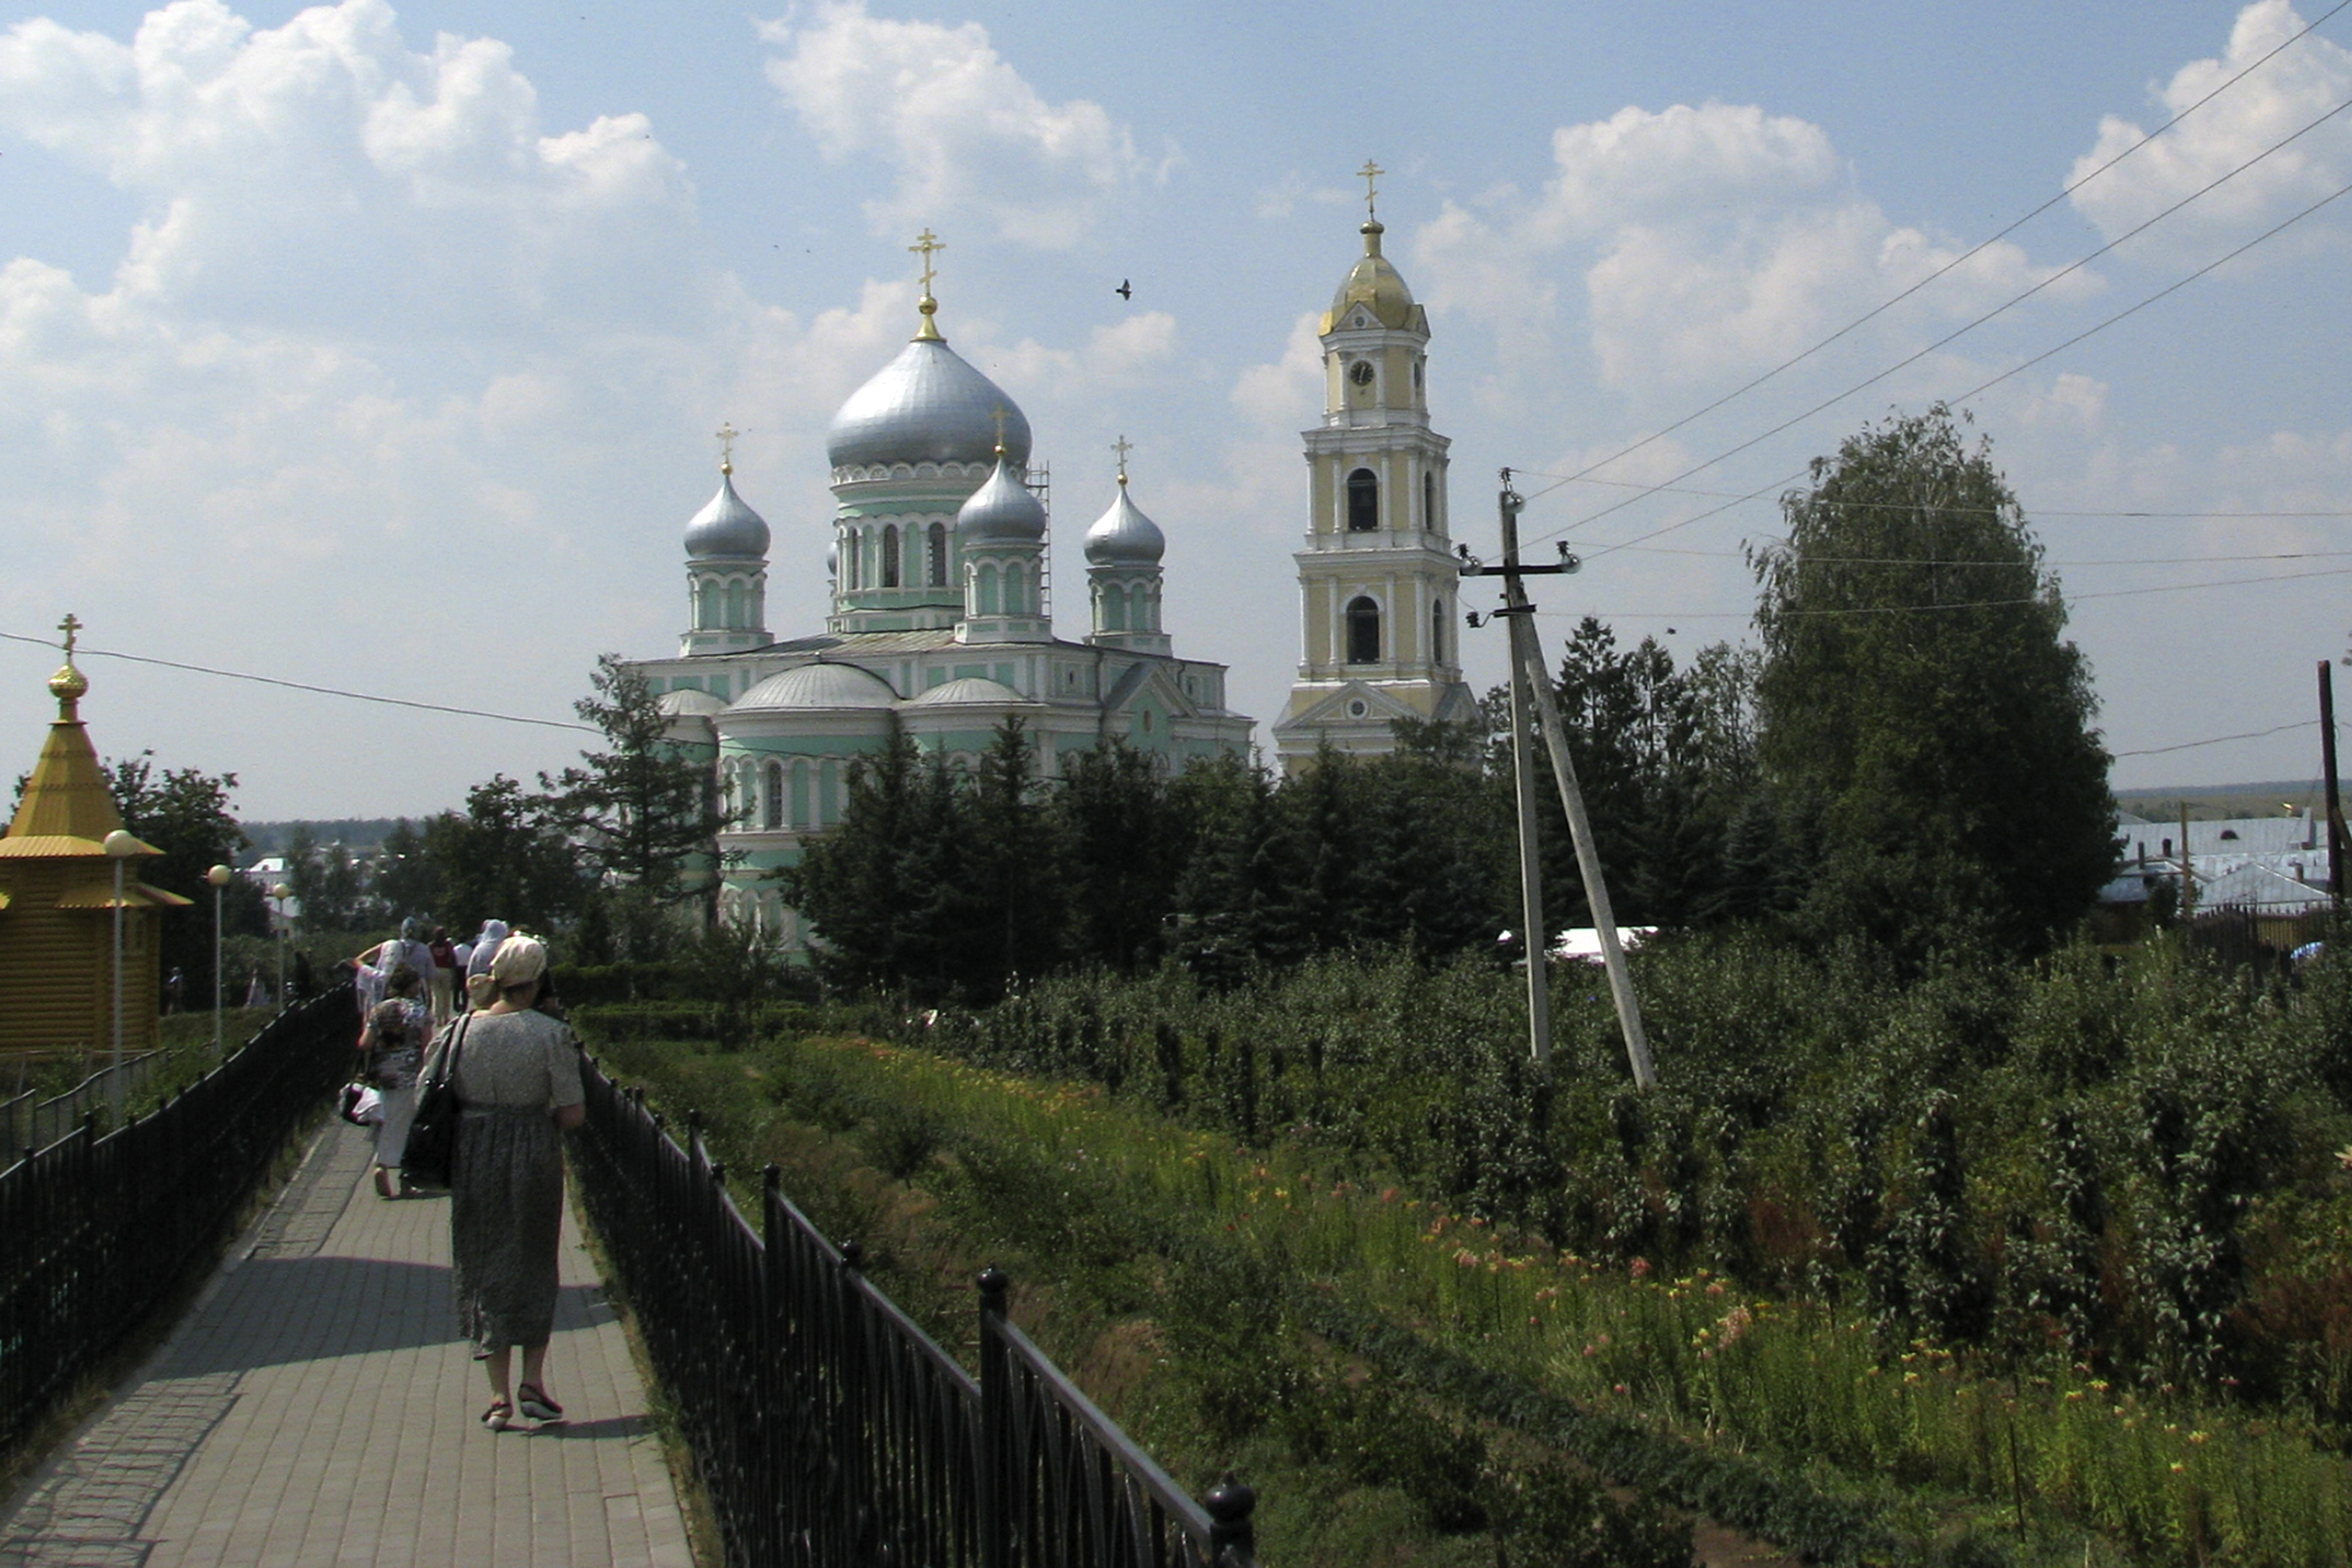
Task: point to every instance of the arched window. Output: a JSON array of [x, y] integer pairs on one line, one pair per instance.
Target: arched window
[[705, 616], [1429, 501], [890, 556], [1114, 608], [1363, 502], [1437, 630], [828, 793], [735, 605], [987, 595], [771, 798], [849, 550], [802, 816], [939, 555], [1363, 632], [1013, 582]]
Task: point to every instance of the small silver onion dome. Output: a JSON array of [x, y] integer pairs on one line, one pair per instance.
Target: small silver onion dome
[[1002, 511], [1123, 536], [928, 405], [726, 528]]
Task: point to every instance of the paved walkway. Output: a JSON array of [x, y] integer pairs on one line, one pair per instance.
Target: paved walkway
[[313, 1409]]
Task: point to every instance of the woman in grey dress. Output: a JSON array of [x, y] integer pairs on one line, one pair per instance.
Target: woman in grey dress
[[518, 1076]]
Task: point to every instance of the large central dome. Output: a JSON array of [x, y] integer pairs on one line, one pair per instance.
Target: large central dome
[[926, 407]]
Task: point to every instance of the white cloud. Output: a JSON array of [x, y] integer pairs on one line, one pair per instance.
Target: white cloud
[[1713, 241], [964, 131], [2306, 80], [323, 171]]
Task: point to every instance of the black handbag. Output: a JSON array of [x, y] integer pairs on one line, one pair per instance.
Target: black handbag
[[432, 1147]]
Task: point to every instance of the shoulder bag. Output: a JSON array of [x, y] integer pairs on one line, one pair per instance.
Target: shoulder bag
[[432, 1148]]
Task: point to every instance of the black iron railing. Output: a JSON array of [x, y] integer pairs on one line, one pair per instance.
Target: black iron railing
[[96, 1231], [829, 1429]]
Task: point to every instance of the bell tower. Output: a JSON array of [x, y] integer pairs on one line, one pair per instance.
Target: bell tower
[[1377, 579]]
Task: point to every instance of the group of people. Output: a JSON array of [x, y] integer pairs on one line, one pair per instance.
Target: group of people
[[502, 1043]]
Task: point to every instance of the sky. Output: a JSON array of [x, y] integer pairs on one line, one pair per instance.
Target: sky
[[379, 347]]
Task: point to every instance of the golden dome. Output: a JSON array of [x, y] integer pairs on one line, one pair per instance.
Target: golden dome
[[1373, 281], [67, 685]]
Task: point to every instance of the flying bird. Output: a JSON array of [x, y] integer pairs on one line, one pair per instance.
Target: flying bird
[[1124, 290]]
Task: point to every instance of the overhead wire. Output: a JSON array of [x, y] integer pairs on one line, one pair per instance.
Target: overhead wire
[[1963, 259], [1970, 326], [84, 651]]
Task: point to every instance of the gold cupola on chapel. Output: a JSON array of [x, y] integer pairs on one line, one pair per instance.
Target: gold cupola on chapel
[[57, 901], [1378, 577]]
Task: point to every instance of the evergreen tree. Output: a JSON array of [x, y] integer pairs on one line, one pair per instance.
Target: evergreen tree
[[644, 814], [1125, 847], [853, 883], [1917, 693], [1011, 883]]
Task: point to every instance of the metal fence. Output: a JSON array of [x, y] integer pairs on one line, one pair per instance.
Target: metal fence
[[830, 1431], [29, 1122], [96, 1231]]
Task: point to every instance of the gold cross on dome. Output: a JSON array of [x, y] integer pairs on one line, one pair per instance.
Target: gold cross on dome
[[927, 244], [1371, 174], [1122, 446], [69, 626], [1000, 413], [727, 434]]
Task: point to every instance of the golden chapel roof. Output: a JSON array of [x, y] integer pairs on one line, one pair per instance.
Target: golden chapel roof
[[66, 810]]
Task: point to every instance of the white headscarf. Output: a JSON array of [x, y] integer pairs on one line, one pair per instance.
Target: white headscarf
[[486, 946]]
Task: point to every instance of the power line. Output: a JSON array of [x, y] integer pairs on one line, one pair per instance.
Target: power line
[[2055, 565], [1964, 605], [2218, 739], [2273, 231], [303, 686], [1956, 510], [1970, 254]]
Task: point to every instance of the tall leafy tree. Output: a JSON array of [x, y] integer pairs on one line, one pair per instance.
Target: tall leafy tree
[[186, 814], [1919, 699], [326, 883], [504, 857]]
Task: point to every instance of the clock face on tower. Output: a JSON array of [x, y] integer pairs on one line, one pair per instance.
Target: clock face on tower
[[1360, 373]]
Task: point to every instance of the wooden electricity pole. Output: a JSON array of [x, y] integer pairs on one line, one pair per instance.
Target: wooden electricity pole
[[2335, 834]]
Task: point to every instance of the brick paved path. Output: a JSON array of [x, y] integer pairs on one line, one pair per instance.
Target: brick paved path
[[313, 1409]]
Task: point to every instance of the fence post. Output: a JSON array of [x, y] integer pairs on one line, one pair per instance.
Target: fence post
[[997, 1467], [1232, 1539], [863, 1433]]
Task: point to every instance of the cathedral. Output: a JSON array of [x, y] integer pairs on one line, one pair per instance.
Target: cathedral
[[941, 624]]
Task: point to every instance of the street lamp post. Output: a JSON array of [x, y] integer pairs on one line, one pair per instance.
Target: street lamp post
[[281, 892], [119, 847], [218, 876]]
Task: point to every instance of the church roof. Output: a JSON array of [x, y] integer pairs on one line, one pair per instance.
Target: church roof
[[1004, 511], [819, 686], [1373, 281], [928, 405], [969, 689], [725, 528], [1123, 536], [66, 809]]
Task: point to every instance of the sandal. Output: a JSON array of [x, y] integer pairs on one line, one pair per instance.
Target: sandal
[[539, 1406], [497, 1417]]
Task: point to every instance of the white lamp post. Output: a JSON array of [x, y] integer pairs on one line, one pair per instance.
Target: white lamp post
[[281, 893], [119, 847], [218, 876]]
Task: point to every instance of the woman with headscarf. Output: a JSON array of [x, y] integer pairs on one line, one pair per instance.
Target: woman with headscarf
[[391, 1048], [517, 1073], [479, 990]]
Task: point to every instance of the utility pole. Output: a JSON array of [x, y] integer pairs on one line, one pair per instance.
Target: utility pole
[[2337, 837], [1535, 931], [1529, 675]]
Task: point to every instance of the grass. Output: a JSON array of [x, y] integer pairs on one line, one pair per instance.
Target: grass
[[1816, 1412]]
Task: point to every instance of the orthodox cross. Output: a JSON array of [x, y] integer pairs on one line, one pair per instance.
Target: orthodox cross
[[69, 626], [727, 434], [1122, 446], [927, 244], [1371, 174], [1000, 413]]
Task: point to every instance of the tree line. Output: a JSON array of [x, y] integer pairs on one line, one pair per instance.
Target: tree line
[[1908, 760]]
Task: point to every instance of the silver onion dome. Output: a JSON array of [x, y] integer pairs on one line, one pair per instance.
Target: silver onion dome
[[1123, 536], [928, 405], [1002, 511], [725, 528]]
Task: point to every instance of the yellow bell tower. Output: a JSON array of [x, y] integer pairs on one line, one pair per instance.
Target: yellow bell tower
[[1377, 579]]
